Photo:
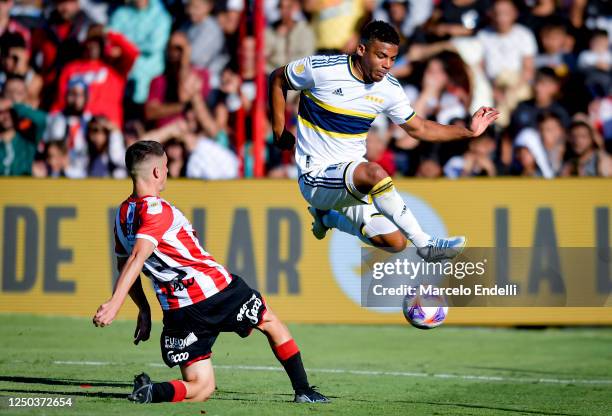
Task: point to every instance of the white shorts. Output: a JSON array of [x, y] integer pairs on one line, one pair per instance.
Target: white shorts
[[332, 187]]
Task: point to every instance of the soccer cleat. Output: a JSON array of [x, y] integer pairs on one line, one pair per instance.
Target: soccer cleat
[[310, 396], [143, 389], [442, 248], [318, 228]]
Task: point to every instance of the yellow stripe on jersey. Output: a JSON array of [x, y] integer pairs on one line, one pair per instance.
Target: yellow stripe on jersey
[[338, 110], [333, 134]]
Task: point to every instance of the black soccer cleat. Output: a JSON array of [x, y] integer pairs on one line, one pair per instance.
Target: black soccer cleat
[[143, 389], [310, 396]]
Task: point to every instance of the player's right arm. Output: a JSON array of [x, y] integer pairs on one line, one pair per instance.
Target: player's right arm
[[278, 87], [296, 75], [131, 270], [143, 322]]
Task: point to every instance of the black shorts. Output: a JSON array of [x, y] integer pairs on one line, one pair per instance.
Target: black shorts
[[190, 332]]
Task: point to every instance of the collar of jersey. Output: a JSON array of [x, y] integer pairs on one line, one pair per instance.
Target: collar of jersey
[[136, 198], [351, 71]]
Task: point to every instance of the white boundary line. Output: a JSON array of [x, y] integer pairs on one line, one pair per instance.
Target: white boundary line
[[518, 380]]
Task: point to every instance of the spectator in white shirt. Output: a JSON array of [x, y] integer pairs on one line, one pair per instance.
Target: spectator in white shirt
[[508, 46], [596, 63], [509, 50]]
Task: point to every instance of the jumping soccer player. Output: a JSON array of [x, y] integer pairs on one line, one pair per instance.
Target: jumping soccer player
[[340, 97], [198, 296]]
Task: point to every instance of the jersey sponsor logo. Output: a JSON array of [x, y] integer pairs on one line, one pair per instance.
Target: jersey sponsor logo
[[179, 343], [250, 309], [338, 92], [377, 100], [177, 358], [154, 207], [299, 69]]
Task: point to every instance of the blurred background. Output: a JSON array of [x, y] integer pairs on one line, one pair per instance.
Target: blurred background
[[81, 80]]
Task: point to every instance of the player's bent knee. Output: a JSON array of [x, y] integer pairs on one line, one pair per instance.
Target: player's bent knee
[[206, 392], [373, 173], [203, 392]]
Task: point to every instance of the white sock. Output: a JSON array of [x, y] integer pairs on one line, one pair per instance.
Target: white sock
[[389, 203], [333, 219]]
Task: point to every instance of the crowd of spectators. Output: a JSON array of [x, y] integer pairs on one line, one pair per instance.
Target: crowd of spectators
[[81, 80]]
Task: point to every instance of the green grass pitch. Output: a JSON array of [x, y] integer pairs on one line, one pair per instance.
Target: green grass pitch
[[369, 370]]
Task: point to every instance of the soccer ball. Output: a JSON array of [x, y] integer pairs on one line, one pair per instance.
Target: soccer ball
[[425, 312]]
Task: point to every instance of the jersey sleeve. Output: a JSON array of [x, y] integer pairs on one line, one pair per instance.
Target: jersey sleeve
[[399, 109], [300, 74], [156, 218]]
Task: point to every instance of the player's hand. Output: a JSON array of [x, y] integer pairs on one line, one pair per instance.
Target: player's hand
[[286, 141], [482, 119], [143, 327], [106, 314]]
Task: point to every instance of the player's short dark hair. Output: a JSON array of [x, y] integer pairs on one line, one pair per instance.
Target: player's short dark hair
[[380, 31], [141, 151]]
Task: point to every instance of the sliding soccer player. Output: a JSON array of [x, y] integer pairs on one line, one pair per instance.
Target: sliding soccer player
[[199, 297]]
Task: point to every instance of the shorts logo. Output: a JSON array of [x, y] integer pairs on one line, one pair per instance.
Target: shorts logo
[[177, 358], [180, 343], [336, 166], [250, 312]]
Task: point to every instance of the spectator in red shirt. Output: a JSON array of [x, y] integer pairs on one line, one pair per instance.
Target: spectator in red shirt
[[179, 88], [106, 61], [58, 42]]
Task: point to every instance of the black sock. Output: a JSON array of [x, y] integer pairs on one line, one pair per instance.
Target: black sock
[[162, 392], [295, 370]]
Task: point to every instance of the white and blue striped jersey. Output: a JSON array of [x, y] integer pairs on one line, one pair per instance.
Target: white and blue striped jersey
[[336, 109]]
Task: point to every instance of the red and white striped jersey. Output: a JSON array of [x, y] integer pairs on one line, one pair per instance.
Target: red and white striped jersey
[[183, 273]]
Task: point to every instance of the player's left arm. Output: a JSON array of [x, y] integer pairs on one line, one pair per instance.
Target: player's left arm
[[431, 131], [131, 270]]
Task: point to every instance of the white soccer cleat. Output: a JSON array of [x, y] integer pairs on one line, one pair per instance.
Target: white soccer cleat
[[438, 249], [319, 230]]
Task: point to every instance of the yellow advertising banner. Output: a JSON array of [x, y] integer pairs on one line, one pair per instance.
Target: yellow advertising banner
[[57, 247]]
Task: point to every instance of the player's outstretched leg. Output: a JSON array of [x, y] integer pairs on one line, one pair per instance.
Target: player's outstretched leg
[[287, 352], [323, 220], [393, 241], [198, 385], [370, 178]]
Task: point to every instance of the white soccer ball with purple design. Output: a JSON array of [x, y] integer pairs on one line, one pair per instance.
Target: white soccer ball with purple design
[[425, 312]]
